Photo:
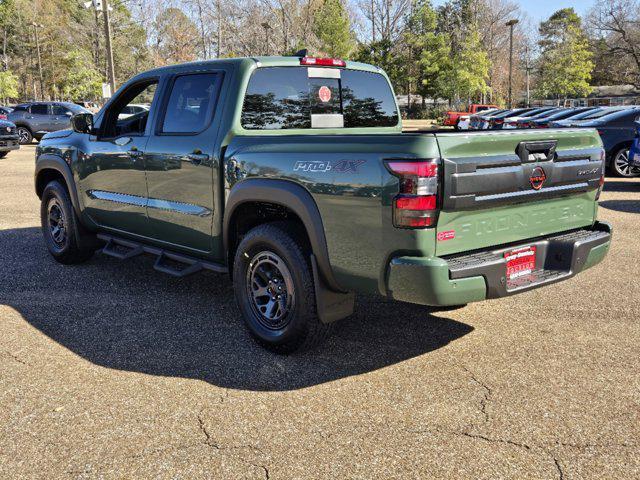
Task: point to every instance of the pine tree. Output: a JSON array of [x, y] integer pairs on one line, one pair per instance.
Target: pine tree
[[425, 50], [332, 26], [566, 62]]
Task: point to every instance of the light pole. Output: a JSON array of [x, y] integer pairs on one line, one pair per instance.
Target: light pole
[[36, 26], [107, 34], [266, 27], [510, 24]]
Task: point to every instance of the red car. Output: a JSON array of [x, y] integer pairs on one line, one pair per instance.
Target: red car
[[451, 118]]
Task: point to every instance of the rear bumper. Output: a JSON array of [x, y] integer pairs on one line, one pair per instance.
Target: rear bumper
[[461, 279]]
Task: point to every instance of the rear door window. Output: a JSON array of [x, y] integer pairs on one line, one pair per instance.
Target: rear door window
[[191, 103], [39, 109], [290, 98]]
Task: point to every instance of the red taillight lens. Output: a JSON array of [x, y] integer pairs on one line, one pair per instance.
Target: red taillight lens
[[416, 206], [3, 117], [323, 62]]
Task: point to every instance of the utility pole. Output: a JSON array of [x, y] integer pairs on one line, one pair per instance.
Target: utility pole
[[373, 22], [36, 26], [510, 24], [219, 20], [267, 28], [528, 69], [107, 34]]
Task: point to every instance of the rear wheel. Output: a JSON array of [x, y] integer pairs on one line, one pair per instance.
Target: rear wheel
[[24, 135], [60, 226], [274, 289], [622, 164], [3, 154]]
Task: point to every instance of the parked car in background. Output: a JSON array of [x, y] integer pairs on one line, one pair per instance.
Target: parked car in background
[[8, 138], [526, 121], [4, 112], [597, 113], [496, 121], [563, 114], [511, 121], [634, 152], [131, 110], [451, 118], [617, 130], [480, 121], [35, 119]]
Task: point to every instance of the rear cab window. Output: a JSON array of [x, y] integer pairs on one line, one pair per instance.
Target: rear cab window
[[281, 98]]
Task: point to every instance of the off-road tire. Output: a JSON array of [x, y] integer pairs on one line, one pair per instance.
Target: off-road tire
[[303, 329], [64, 249]]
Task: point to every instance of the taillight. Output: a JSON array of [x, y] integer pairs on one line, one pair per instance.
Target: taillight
[[323, 62], [600, 132], [3, 117], [416, 205]]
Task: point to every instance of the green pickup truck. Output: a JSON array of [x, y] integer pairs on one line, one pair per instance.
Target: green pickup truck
[[293, 175]]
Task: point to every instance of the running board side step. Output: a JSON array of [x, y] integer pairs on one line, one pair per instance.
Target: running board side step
[[175, 264]]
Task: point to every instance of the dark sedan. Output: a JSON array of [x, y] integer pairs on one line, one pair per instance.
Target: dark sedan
[[617, 131], [545, 120]]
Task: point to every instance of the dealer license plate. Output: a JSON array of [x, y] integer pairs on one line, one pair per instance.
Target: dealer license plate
[[520, 262]]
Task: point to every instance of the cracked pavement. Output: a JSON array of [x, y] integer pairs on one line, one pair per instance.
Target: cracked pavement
[[111, 370]]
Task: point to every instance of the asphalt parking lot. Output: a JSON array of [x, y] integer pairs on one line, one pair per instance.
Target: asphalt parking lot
[[111, 370]]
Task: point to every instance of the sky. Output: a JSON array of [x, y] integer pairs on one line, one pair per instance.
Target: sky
[[539, 10]]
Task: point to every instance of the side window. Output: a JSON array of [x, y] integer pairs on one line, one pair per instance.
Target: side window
[[117, 120], [367, 100], [276, 99], [39, 109], [191, 103], [59, 110]]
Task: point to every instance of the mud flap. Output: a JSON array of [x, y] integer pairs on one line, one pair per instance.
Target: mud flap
[[332, 306]]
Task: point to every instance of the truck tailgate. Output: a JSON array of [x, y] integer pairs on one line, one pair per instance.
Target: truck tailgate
[[503, 187]]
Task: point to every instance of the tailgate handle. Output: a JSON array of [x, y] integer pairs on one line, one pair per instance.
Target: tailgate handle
[[542, 151]]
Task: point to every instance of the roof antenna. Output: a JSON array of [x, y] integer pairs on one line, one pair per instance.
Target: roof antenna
[[301, 53]]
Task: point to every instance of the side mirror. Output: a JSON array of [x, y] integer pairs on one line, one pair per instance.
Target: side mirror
[[82, 123]]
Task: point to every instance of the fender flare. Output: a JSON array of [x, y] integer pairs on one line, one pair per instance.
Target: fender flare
[[297, 199], [52, 162]]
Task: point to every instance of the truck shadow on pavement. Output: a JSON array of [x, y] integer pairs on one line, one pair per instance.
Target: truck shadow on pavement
[[624, 206], [622, 187], [126, 316]]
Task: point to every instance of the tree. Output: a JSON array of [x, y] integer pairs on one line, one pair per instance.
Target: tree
[[425, 52], [465, 72], [81, 81], [616, 28], [8, 86], [383, 54], [332, 26], [565, 64], [465, 69], [176, 37]]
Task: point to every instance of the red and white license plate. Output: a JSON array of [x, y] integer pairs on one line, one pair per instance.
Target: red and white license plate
[[520, 262]]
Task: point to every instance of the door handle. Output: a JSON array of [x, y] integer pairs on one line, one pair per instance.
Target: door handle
[[197, 158]]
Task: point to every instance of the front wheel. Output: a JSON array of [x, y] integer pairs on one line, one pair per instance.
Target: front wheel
[[622, 164], [60, 226], [24, 135], [274, 289], [3, 154]]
